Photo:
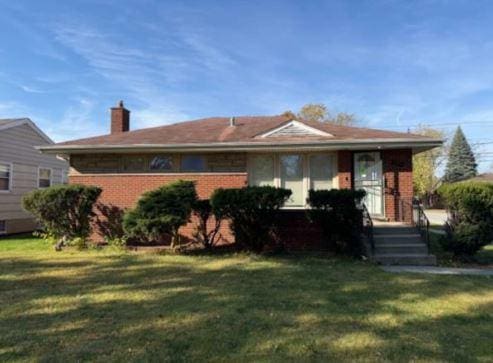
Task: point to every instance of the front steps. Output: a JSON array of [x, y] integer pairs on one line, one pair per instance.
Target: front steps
[[397, 244]]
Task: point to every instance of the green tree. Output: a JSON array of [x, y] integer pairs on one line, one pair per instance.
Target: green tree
[[318, 112], [425, 164], [461, 163]]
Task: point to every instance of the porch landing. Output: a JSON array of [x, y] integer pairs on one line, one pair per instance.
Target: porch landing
[[398, 243]]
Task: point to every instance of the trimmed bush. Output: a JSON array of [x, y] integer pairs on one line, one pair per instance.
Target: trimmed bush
[[64, 211], [161, 212], [202, 210], [337, 213], [252, 212], [470, 225]]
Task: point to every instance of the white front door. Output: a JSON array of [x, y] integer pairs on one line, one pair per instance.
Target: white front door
[[368, 176]]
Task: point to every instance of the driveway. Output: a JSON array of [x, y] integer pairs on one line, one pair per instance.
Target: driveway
[[436, 216]]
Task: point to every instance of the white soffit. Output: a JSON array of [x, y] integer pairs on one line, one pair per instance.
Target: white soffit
[[295, 128]]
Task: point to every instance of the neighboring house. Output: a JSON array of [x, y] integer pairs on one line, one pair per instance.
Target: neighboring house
[[238, 151], [22, 169]]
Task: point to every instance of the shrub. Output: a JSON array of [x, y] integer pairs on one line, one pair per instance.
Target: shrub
[[161, 212], [470, 225], [340, 218], [116, 242], [202, 209], [64, 211], [252, 212]]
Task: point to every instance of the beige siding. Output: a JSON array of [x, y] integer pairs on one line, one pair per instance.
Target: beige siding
[[17, 147]]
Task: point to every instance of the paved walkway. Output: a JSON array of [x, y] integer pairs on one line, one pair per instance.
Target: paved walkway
[[439, 270]]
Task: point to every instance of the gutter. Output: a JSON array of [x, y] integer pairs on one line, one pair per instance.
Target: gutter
[[246, 146]]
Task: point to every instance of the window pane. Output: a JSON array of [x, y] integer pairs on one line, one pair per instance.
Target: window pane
[[321, 171], [4, 184], [65, 176], [162, 162], [44, 173], [4, 170], [192, 163], [292, 178], [262, 170], [44, 178], [44, 183], [3, 226], [134, 163]]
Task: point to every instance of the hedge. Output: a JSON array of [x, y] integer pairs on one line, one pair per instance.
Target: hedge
[[470, 225], [252, 212]]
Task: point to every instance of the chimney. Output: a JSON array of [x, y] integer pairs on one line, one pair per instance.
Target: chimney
[[120, 119], [232, 121]]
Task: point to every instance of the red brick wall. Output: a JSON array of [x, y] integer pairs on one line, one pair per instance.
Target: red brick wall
[[345, 168], [398, 174], [125, 189]]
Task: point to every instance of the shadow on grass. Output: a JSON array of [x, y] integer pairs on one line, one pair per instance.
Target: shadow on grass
[[113, 307]]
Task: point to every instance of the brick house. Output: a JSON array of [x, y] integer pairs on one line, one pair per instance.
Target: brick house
[[239, 151]]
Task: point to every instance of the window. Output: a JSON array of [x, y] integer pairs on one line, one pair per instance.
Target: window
[[297, 172], [5, 177], [64, 176], [262, 170], [161, 163], [134, 163], [3, 227], [291, 175], [44, 178], [321, 171], [195, 163]]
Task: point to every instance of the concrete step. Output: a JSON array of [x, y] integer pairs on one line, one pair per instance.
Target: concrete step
[[405, 259], [397, 239], [394, 230], [401, 248]]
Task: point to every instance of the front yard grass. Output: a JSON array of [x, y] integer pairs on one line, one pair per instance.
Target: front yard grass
[[115, 306]]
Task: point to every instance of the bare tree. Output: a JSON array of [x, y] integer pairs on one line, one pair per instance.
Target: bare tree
[[318, 112]]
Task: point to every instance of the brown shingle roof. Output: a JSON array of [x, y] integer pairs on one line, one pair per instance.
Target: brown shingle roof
[[247, 129]]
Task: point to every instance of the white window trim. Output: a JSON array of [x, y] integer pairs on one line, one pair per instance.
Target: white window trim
[[11, 176], [306, 171], [51, 176]]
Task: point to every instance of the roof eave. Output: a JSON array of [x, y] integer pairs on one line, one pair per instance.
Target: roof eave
[[361, 144]]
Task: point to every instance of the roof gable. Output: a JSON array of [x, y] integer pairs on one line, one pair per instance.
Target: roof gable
[[9, 123], [295, 129]]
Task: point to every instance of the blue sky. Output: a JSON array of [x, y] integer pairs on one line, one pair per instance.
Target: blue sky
[[393, 63]]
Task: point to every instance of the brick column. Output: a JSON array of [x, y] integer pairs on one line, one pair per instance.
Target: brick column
[[398, 174], [345, 169]]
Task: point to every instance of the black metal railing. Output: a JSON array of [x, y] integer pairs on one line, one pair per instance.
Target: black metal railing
[[368, 227], [421, 222]]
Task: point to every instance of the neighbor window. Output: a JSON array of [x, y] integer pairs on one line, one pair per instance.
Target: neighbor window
[[161, 163], [64, 176], [3, 227], [44, 178], [195, 163], [5, 176]]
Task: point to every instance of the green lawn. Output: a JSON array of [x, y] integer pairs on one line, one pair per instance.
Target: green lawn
[[112, 306]]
